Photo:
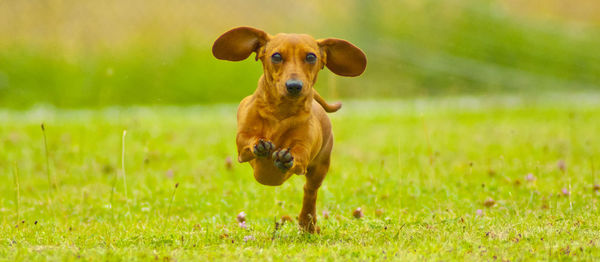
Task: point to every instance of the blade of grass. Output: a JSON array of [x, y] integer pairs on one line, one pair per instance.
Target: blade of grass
[[17, 191], [123, 169], [170, 204], [50, 184]]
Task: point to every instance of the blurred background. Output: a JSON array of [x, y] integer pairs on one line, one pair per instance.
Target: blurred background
[[97, 53]]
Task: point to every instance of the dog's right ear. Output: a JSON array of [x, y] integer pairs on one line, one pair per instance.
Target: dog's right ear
[[238, 43]]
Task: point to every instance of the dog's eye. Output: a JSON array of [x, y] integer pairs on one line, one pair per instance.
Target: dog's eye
[[311, 58], [276, 58]]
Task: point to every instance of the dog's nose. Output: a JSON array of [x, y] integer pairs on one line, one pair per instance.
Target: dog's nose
[[293, 86]]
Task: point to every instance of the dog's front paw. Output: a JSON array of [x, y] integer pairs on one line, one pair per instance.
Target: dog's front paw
[[263, 148], [283, 159]]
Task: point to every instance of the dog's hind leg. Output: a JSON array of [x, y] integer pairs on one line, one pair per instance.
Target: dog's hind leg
[[314, 178]]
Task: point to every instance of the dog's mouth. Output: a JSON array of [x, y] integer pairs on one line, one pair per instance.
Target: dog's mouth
[[293, 96]]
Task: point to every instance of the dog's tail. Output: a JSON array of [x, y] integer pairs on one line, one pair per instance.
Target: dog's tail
[[329, 108]]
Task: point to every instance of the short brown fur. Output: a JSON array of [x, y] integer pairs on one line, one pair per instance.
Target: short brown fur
[[275, 126]]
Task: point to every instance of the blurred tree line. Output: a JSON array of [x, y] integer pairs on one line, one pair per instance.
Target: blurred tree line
[[96, 53]]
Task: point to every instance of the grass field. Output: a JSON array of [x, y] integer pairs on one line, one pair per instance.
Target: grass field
[[475, 178]]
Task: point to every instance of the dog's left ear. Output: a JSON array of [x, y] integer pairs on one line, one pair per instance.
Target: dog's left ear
[[342, 57], [238, 43]]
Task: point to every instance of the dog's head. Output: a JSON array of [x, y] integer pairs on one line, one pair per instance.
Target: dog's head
[[291, 62]]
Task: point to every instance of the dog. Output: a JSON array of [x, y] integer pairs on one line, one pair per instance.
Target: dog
[[283, 128]]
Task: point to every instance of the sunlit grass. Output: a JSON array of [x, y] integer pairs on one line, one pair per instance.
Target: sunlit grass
[[443, 179]]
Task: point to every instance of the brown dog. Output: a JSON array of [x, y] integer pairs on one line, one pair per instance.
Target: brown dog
[[283, 128]]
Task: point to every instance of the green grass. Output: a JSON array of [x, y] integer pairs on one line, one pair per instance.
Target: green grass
[[427, 165]]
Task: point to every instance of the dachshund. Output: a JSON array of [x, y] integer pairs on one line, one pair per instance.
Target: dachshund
[[283, 128]]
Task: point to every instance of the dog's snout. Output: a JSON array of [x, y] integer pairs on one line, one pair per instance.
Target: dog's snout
[[294, 86]]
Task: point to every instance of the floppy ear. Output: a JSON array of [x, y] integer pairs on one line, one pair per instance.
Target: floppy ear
[[238, 43], [342, 57]]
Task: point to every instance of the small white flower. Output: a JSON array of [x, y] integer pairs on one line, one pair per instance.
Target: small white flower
[[249, 238]]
